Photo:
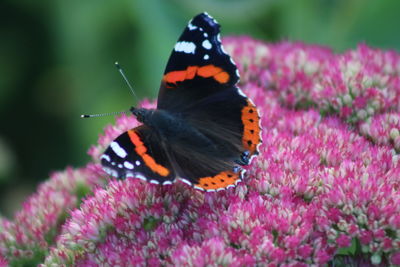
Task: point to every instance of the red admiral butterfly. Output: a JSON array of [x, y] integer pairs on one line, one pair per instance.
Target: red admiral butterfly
[[204, 128]]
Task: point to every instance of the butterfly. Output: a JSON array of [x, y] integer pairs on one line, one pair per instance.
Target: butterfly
[[204, 129]]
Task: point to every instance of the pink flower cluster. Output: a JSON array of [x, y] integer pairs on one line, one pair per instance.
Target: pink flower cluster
[[325, 186], [360, 86], [37, 224], [3, 262], [383, 129]]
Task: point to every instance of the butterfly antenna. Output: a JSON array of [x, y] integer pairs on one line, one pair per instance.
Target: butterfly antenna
[[121, 71], [105, 114]]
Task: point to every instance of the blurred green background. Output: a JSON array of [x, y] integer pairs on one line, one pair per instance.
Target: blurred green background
[[57, 62]]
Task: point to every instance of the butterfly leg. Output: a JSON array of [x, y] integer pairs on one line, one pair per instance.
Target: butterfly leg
[[244, 159], [236, 169]]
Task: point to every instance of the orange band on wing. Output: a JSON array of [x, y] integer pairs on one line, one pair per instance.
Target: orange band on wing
[[141, 150], [222, 77], [191, 72], [207, 71], [251, 127], [221, 180], [175, 76]]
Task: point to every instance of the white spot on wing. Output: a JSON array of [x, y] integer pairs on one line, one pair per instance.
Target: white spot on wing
[[137, 163], [136, 175], [105, 157], [199, 188], [226, 53], [118, 150], [206, 57], [120, 166], [237, 73], [191, 26], [154, 182], [185, 47], [167, 182], [186, 181], [205, 13], [130, 174], [205, 34], [141, 177], [128, 165], [241, 93], [110, 171], [206, 44], [251, 101]]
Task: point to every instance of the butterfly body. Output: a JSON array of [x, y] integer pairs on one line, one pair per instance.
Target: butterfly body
[[204, 128], [172, 129]]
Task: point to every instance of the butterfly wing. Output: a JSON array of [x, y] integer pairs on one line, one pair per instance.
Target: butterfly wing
[[198, 66], [231, 121], [199, 83], [138, 153]]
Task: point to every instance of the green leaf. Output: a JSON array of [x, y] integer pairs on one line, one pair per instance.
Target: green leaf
[[275, 234], [38, 255], [150, 223], [353, 249], [81, 191]]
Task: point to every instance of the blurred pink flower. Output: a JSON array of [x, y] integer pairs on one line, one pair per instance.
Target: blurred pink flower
[[396, 258], [3, 262], [343, 241], [36, 226]]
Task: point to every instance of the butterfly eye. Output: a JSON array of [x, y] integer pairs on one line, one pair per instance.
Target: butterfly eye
[[139, 113]]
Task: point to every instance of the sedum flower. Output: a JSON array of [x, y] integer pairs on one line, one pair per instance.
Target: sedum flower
[[35, 227], [3, 262], [324, 189]]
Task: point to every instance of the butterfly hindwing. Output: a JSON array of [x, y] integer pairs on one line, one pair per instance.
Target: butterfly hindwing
[[231, 121]]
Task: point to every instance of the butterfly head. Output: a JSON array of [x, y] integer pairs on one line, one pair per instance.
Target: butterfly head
[[141, 114]]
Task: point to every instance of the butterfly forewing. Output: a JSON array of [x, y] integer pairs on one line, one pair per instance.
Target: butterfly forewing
[[138, 153], [198, 66]]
